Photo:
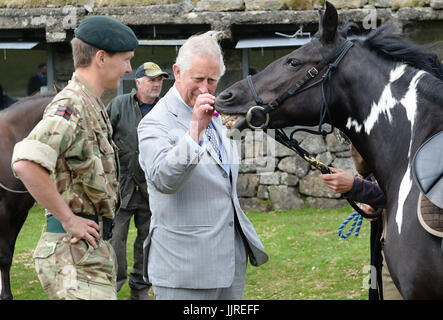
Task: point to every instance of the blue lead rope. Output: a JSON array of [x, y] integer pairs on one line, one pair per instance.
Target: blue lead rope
[[358, 219]]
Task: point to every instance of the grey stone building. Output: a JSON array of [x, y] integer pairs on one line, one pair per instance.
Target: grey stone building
[[253, 33]]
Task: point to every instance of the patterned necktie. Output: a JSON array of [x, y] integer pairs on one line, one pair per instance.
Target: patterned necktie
[[213, 139]]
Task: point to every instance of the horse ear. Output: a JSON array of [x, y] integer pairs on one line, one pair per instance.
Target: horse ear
[[57, 88], [328, 23]]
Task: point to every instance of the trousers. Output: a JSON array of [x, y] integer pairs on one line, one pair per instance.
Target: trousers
[[138, 208], [75, 271], [234, 292]]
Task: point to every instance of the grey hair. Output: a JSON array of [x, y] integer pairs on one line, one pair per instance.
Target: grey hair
[[200, 45]]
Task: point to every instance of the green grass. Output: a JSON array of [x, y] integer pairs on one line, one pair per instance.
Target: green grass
[[307, 259]]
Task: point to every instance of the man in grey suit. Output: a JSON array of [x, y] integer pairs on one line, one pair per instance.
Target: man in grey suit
[[199, 238]]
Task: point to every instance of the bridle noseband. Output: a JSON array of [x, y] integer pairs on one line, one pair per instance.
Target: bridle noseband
[[331, 60]]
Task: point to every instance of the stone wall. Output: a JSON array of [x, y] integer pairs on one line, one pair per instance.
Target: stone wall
[[220, 15], [273, 177]]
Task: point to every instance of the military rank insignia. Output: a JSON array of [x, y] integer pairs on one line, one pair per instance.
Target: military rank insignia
[[64, 111]]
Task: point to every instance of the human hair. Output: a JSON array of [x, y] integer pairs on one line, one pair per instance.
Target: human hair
[[199, 45], [83, 53]]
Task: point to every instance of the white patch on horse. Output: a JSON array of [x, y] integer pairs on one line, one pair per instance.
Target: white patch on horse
[[384, 105], [353, 123], [403, 192], [386, 101], [409, 102], [397, 73]]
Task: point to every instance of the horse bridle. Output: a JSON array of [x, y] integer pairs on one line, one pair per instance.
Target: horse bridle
[[300, 86], [266, 108], [330, 60], [12, 190]]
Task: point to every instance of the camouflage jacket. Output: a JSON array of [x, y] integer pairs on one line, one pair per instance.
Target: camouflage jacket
[[73, 142]]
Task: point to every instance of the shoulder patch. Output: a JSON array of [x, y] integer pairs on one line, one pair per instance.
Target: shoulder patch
[[64, 111]]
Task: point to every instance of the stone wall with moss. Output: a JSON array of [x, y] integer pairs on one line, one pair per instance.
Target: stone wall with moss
[[56, 17], [227, 5]]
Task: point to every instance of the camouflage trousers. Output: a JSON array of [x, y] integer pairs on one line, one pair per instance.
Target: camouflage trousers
[[75, 271]]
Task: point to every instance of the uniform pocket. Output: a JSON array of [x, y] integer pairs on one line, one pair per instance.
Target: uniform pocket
[[87, 290], [104, 144], [80, 251], [94, 265], [44, 250], [46, 256], [46, 245]]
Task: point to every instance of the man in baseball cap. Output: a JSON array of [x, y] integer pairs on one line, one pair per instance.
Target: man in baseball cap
[[150, 70], [125, 112]]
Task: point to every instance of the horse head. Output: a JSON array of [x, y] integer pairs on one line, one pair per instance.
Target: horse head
[[299, 108]]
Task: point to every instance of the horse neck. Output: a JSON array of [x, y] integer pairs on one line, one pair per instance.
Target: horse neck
[[381, 126], [23, 117]]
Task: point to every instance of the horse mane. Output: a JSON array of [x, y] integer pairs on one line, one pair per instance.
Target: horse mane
[[393, 47], [24, 102], [24, 107]]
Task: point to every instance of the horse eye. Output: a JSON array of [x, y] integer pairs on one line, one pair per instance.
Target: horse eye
[[293, 62]]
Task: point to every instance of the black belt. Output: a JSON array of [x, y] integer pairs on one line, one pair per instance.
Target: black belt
[[55, 226]]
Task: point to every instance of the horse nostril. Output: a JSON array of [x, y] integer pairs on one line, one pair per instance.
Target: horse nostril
[[225, 96]]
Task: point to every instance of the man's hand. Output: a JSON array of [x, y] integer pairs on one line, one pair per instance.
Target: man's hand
[[339, 181], [82, 228], [201, 115]]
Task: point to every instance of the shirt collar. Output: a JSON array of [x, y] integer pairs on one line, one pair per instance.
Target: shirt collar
[[179, 97]]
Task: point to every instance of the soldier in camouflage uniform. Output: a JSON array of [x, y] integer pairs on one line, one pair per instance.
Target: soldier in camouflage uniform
[[69, 164]]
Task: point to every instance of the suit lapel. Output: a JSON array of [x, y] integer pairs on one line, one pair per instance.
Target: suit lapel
[[178, 109]]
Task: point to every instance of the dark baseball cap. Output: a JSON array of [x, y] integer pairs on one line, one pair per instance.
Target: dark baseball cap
[[150, 70]]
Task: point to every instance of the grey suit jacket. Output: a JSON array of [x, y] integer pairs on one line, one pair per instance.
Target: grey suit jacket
[[193, 203]]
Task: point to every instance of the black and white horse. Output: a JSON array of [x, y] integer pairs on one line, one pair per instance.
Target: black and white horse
[[386, 95]]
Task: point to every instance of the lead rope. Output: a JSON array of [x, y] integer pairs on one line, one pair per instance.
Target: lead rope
[[357, 220]]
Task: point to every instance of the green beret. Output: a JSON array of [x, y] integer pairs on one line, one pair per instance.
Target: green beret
[[107, 34]]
